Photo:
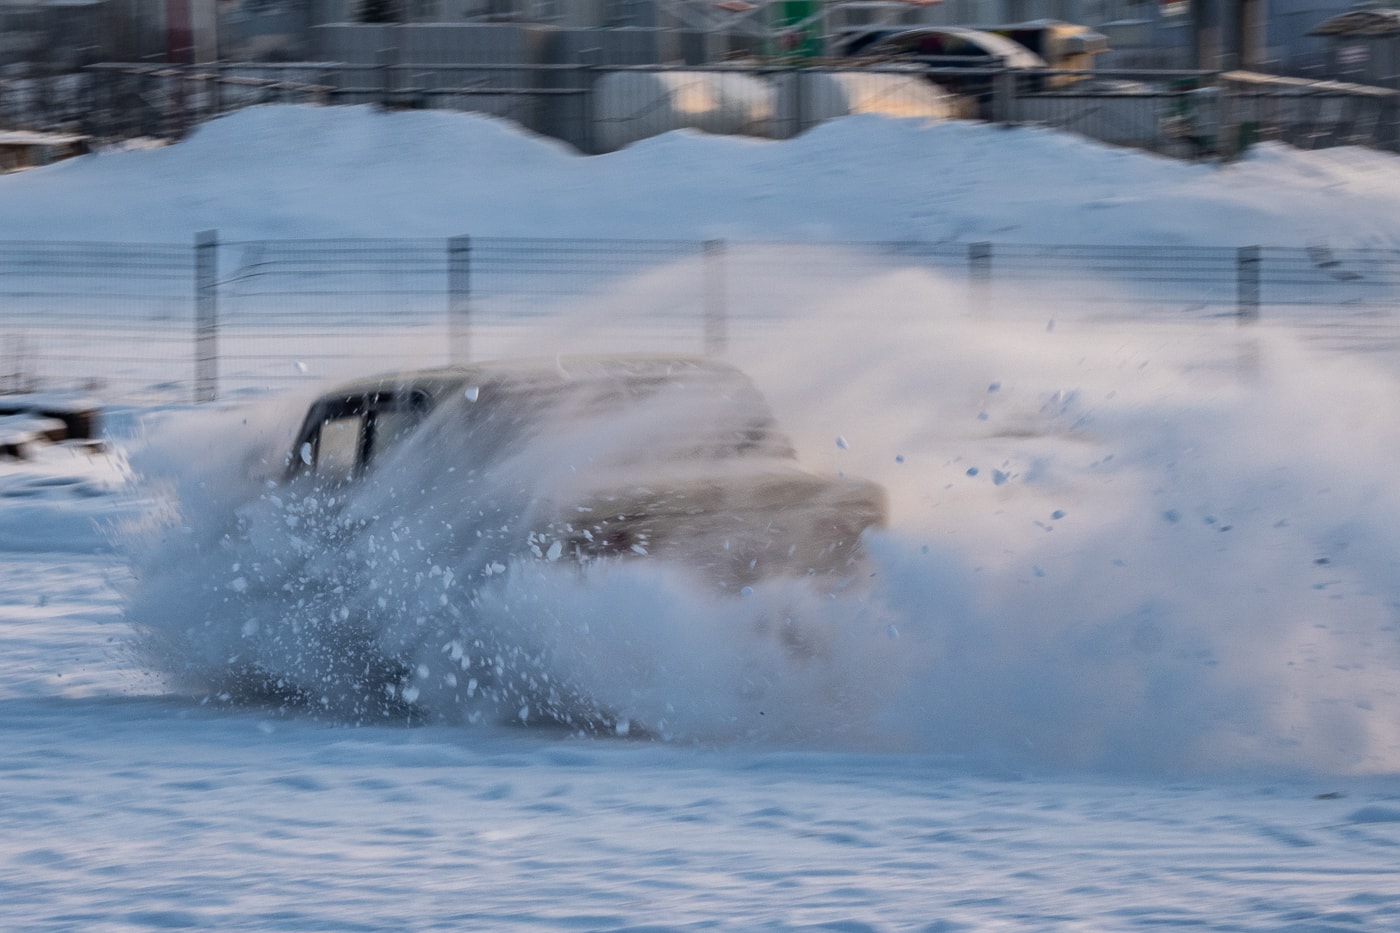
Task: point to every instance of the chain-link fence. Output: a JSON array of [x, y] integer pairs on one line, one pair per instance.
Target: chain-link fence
[[163, 321]]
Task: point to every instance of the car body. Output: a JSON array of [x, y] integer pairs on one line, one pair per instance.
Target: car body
[[946, 46], [671, 458]]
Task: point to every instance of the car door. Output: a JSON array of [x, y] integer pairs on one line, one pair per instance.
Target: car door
[[343, 435]]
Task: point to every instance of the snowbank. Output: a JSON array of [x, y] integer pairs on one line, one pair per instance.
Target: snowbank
[[295, 171], [633, 105]]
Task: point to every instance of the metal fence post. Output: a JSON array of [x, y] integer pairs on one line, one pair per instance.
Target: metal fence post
[[215, 89], [587, 77], [1247, 262], [715, 330], [979, 274], [1004, 92], [459, 286], [799, 101], [1228, 141], [206, 316], [384, 61], [1389, 121]]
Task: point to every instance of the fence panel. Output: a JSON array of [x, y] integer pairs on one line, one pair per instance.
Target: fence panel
[[1107, 281], [293, 308], [163, 322], [97, 315], [603, 107], [586, 295], [1167, 114], [1359, 290]]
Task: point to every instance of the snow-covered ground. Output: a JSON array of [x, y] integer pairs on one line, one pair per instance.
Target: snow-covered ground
[[1130, 657]]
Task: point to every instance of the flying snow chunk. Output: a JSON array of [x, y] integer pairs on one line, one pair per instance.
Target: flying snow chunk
[[841, 442], [554, 551], [473, 393], [306, 453]]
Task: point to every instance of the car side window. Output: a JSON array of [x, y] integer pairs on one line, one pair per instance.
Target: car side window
[[390, 425], [343, 436], [338, 448]]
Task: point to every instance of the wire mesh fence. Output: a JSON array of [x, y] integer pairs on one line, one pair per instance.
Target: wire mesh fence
[[180, 322], [602, 107], [95, 314]]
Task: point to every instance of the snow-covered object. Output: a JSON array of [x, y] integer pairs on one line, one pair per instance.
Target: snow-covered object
[[584, 461], [633, 105], [805, 98], [65, 416], [17, 431]]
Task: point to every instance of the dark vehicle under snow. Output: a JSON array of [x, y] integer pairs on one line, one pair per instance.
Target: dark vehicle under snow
[[397, 567], [667, 458]]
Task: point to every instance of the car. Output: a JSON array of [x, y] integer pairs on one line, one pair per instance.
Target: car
[[946, 46], [586, 459], [457, 542]]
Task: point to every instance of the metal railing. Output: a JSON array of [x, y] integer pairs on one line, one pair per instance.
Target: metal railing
[[172, 322], [602, 107]]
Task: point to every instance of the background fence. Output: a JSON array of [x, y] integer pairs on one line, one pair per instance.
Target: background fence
[[602, 107], [180, 322]]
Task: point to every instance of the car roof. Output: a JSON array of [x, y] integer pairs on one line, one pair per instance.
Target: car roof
[[541, 372]]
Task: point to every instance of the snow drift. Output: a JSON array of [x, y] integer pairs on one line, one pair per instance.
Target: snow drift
[[297, 171]]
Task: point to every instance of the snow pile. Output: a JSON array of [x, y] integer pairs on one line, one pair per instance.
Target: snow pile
[[294, 171]]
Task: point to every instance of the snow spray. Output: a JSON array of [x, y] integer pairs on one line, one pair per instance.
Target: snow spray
[[1125, 544]]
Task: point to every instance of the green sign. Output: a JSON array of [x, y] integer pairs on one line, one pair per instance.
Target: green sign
[[798, 29]]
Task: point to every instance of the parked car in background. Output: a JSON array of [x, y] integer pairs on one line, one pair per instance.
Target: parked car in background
[[943, 46]]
